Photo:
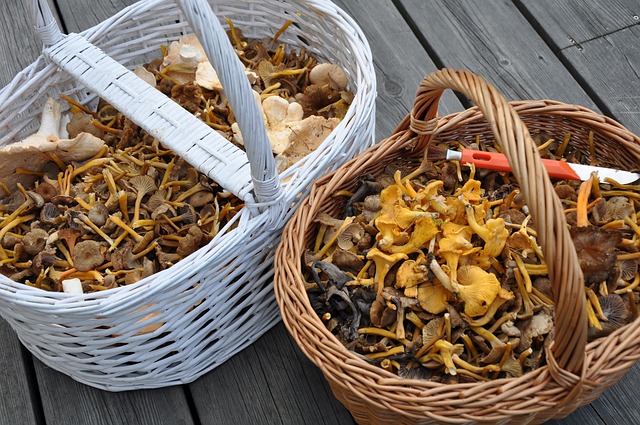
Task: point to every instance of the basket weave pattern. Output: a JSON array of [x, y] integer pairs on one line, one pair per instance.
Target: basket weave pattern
[[219, 299], [576, 372]]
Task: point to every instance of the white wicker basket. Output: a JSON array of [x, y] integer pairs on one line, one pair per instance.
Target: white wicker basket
[[219, 299]]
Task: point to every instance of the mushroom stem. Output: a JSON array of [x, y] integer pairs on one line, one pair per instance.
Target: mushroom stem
[[629, 287], [15, 223], [525, 273], [117, 221], [78, 105], [465, 372], [633, 307], [185, 195], [122, 203], [95, 228], [413, 318], [65, 252], [523, 356], [82, 203], [591, 315], [581, 206], [593, 299], [11, 217], [628, 256], [473, 353], [441, 275], [88, 165], [481, 370], [488, 336], [322, 230], [526, 300], [380, 332], [446, 350], [563, 146], [447, 326], [390, 352], [347, 221]]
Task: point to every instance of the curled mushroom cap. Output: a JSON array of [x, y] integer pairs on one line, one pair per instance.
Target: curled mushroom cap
[[456, 243], [87, 255], [331, 74], [424, 230], [477, 288], [34, 241], [596, 251], [47, 190], [98, 214], [433, 297], [201, 198], [50, 214], [616, 312], [494, 233], [411, 273], [350, 236]]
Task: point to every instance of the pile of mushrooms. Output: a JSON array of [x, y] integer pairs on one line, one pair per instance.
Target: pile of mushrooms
[[92, 202], [436, 272], [301, 100]]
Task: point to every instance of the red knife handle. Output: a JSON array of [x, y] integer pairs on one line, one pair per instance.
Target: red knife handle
[[497, 161]]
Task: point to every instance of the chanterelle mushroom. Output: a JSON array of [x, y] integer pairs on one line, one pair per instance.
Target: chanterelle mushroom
[[477, 288]]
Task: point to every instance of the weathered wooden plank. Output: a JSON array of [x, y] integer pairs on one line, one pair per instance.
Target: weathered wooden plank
[[17, 406], [270, 382], [400, 61], [67, 402], [21, 44], [619, 404], [610, 68], [494, 40], [78, 15], [570, 22]]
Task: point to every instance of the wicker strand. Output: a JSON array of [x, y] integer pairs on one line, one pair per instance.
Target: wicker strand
[[44, 22], [238, 90]]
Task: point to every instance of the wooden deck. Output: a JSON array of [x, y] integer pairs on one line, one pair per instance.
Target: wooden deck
[[576, 51]]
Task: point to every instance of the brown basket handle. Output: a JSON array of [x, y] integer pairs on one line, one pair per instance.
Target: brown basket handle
[[568, 348]]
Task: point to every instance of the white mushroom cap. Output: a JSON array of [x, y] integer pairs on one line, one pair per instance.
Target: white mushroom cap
[[328, 73]]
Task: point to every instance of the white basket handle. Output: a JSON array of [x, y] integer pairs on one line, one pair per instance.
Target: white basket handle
[[164, 119]]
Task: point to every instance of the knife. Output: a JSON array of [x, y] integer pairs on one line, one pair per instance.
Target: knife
[[558, 169]]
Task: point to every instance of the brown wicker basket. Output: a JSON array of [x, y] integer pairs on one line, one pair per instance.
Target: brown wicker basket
[[576, 373]]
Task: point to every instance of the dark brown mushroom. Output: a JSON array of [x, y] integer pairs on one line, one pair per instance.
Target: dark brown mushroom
[[34, 241], [50, 214], [347, 260], [43, 260], [88, 255], [12, 202], [596, 251], [98, 214], [617, 313], [200, 199]]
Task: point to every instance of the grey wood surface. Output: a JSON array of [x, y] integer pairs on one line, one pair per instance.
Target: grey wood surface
[[571, 22], [522, 47]]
